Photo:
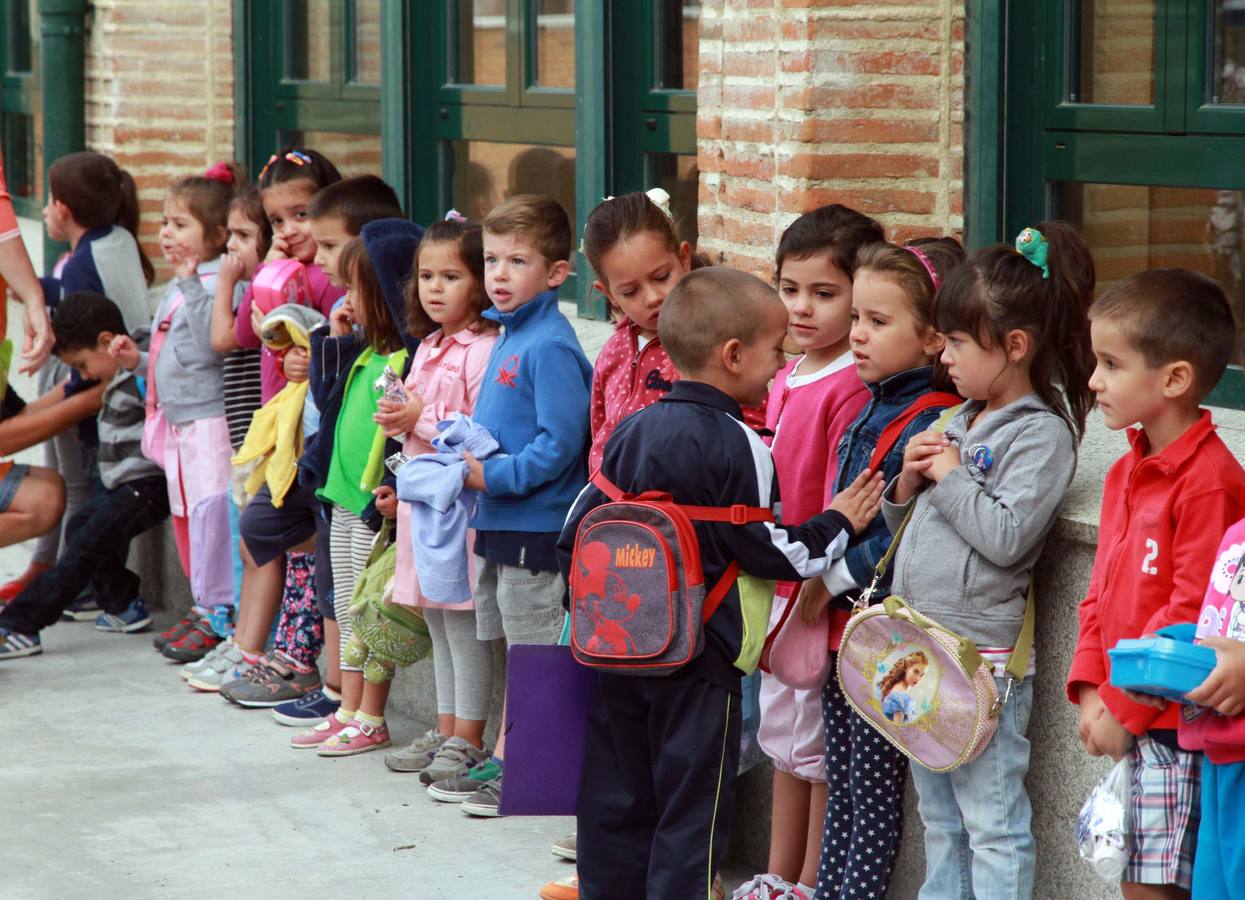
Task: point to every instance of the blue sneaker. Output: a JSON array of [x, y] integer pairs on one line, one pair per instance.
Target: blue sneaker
[[306, 711], [84, 608], [13, 644], [133, 618]]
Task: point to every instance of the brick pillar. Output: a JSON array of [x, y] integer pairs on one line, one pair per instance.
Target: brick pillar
[[804, 102], [159, 94]]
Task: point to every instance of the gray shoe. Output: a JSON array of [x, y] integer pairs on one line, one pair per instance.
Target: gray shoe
[[191, 669], [486, 801], [565, 848], [455, 757], [416, 756], [226, 665], [281, 682]]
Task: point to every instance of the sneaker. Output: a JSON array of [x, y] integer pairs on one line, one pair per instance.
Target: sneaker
[[227, 664], [310, 709], [191, 669], [461, 787], [357, 737], [486, 801], [131, 619], [194, 644], [766, 887], [416, 756], [565, 848], [13, 644], [177, 632], [283, 680], [563, 889], [84, 608], [456, 757], [312, 738]]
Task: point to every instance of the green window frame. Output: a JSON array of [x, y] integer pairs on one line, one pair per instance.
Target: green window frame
[[1182, 139], [20, 103], [275, 102]]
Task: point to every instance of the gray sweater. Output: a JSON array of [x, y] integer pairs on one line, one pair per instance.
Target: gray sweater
[[190, 379], [974, 538]]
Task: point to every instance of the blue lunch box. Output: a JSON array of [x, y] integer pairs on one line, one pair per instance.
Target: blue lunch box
[[1168, 666]]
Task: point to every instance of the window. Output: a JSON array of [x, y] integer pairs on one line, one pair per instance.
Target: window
[[314, 79], [1134, 130], [21, 120]]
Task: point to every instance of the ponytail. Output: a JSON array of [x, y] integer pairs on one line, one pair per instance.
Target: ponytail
[[1000, 289], [128, 214]]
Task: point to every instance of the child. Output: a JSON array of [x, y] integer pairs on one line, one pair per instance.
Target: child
[[658, 778], [287, 184], [813, 400], [986, 491], [894, 344], [346, 458], [534, 400], [185, 394], [93, 206], [446, 299], [1219, 866], [1162, 340], [278, 539], [133, 498]]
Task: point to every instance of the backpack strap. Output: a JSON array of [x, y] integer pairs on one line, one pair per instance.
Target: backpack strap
[[890, 434]]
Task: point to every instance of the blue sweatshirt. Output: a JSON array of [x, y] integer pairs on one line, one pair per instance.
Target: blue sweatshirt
[[534, 400]]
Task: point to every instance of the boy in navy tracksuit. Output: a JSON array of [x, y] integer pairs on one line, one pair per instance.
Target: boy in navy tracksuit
[[657, 791]]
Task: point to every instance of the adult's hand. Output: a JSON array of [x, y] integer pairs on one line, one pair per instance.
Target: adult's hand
[[16, 268]]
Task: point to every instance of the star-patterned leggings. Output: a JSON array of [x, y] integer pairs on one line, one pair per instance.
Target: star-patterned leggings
[[864, 812]]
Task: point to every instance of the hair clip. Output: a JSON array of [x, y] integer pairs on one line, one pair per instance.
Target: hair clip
[[268, 165], [220, 172], [455, 216], [1031, 244], [298, 158], [661, 200], [924, 261]]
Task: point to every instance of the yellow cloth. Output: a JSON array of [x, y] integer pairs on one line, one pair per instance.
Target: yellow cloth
[[274, 442]]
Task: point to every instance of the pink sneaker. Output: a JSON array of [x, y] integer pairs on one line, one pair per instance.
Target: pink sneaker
[[314, 737], [357, 737]]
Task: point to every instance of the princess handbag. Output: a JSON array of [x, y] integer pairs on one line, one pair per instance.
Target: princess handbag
[[925, 688]]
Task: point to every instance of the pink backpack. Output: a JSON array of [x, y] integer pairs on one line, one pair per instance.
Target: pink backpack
[[156, 428], [638, 595]]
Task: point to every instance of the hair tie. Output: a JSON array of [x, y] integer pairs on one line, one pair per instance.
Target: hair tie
[[661, 200], [455, 216], [924, 261], [1032, 245], [220, 172]]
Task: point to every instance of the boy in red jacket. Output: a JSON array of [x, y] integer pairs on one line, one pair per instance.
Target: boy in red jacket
[[1162, 340]]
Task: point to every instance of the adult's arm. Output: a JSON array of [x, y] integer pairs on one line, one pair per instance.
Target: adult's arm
[[38, 422]]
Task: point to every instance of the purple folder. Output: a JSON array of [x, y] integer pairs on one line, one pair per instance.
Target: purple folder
[[547, 698]]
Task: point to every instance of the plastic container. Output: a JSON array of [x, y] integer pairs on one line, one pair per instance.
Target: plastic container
[[282, 281], [1168, 666]]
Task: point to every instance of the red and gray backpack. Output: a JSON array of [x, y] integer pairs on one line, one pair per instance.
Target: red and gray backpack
[[638, 595]]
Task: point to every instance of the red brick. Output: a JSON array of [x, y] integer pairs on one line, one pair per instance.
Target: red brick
[[860, 165]]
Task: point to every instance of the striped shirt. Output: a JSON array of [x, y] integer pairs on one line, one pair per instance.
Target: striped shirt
[[121, 421], [242, 391]]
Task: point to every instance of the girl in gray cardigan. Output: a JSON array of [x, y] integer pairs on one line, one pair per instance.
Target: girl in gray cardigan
[[983, 496]]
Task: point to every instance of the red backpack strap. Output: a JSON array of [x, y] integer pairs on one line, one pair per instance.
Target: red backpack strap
[[890, 434], [715, 597], [737, 514], [606, 487]]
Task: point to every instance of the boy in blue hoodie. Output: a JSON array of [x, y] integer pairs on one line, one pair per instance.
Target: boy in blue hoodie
[[534, 400]]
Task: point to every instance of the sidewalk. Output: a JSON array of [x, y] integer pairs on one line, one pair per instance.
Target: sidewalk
[[127, 783]]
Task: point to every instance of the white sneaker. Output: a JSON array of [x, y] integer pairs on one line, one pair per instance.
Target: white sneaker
[[212, 660]]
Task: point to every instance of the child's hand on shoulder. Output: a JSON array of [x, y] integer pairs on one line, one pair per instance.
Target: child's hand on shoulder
[[861, 500], [280, 249], [475, 474], [386, 501], [125, 351], [1224, 688], [917, 458], [295, 364], [185, 265], [814, 597], [396, 418]]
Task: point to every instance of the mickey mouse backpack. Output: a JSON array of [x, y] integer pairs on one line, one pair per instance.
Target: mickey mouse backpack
[[638, 595]]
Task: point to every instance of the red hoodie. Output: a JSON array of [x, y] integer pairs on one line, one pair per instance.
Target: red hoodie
[[1162, 517], [626, 379]]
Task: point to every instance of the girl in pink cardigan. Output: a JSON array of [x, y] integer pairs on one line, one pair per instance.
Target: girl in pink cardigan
[[445, 299]]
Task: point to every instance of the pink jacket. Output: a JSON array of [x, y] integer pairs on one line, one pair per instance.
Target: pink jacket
[[323, 296], [446, 373], [626, 379]]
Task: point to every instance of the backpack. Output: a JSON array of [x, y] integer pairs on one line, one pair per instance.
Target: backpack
[[638, 596]]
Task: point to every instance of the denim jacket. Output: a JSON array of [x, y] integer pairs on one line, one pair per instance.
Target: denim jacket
[[888, 399]]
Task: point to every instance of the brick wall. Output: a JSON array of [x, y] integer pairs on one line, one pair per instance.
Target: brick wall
[[806, 102], [159, 93]]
